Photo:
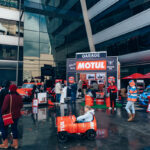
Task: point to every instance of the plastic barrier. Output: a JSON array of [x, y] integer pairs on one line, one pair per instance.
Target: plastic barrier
[[100, 101], [99, 98], [35, 102], [89, 100], [107, 101]]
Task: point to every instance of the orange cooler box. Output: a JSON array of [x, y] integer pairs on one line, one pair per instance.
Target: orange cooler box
[[89, 100]]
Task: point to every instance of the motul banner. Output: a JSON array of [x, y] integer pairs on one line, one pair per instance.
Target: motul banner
[[91, 65], [94, 66]]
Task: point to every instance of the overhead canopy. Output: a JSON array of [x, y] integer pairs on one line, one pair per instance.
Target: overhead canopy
[[146, 76], [134, 76]]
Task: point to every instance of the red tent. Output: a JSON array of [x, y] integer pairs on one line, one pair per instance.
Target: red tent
[[146, 76], [134, 76]]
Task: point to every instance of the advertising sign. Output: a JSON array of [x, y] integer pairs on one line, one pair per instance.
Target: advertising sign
[[90, 76], [112, 69], [100, 76], [91, 65], [71, 65], [71, 68], [42, 97], [91, 55]]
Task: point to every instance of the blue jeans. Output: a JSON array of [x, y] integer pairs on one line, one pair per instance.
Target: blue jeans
[[130, 105], [14, 130], [58, 98], [2, 128], [73, 97]]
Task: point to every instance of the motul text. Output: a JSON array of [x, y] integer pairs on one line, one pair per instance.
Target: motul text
[[91, 65]]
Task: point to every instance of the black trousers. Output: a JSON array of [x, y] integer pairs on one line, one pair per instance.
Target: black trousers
[[113, 97]]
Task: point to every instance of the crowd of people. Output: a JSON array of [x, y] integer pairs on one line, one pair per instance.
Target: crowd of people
[[11, 103]]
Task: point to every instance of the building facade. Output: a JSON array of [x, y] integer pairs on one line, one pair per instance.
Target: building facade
[[122, 28], [35, 33]]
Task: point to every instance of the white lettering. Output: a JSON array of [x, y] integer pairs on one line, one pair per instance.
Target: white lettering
[[90, 55], [97, 65], [81, 66], [92, 125], [92, 65], [62, 126], [102, 65], [87, 65]]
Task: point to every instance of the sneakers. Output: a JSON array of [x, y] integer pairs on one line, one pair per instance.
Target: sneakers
[[110, 108]]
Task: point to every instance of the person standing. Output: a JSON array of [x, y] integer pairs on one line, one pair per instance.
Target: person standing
[[73, 89], [84, 87], [58, 89], [79, 88], [112, 90], [3, 93], [132, 98], [13, 101], [73, 92]]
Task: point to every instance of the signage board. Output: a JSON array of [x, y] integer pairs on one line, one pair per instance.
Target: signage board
[[71, 65], [91, 55], [112, 69], [42, 97], [71, 68], [91, 65]]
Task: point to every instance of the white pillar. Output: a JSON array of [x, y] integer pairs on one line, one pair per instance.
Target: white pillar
[[87, 25]]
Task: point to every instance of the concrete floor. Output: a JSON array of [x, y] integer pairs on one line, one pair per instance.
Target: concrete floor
[[37, 130]]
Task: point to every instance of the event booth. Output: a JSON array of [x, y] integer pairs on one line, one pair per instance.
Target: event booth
[[94, 67]]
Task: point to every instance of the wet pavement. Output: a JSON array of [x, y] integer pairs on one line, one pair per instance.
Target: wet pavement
[[37, 130]]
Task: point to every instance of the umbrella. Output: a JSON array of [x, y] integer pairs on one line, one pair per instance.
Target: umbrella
[[146, 76], [134, 76]]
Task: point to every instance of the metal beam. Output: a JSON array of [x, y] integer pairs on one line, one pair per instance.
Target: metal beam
[[87, 25]]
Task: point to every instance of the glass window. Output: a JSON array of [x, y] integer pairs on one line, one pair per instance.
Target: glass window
[[44, 38], [7, 74], [35, 1], [31, 49], [9, 3], [8, 52], [31, 21], [10, 27], [44, 48], [31, 36], [43, 26]]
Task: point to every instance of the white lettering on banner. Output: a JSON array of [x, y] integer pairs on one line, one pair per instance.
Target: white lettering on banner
[[87, 65], [62, 126], [81, 65], [91, 65], [90, 55], [92, 125]]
